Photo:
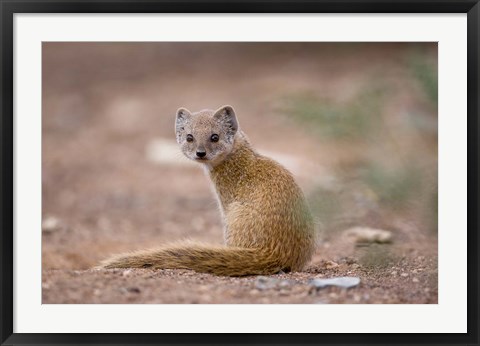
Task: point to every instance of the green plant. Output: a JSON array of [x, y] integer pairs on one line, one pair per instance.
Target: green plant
[[426, 74], [353, 119], [395, 187]]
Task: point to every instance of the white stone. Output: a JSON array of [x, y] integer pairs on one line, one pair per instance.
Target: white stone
[[51, 224], [368, 235], [344, 282]]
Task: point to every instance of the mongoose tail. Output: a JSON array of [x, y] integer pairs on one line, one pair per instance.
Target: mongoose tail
[[219, 260]]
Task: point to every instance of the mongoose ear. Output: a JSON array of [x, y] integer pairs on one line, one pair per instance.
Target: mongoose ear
[[226, 116], [183, 115]]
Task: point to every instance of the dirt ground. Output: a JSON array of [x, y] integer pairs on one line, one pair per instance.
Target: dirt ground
[[113, 180]]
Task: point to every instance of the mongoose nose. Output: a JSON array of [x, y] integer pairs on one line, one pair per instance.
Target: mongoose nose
[[201, 153]]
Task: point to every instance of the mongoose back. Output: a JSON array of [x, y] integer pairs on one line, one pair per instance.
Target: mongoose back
[[268, 227]]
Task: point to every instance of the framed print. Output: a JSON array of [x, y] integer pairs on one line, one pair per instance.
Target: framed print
[[236, 173]]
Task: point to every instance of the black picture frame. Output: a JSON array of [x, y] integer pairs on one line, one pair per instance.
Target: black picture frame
[[10, 7]]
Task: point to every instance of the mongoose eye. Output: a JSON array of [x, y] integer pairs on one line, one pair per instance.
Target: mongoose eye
[[189, 138], [214, 138]]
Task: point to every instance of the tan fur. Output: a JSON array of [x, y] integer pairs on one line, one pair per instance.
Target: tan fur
[[267, 223]]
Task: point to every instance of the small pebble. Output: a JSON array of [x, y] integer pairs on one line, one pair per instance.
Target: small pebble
[[330, 264], [404, 275], [51, 224], [265, 283], [343, 282], [203, 288], [415, 280], [127, 272], [333, 295]]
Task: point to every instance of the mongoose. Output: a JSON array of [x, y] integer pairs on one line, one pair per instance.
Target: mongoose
[[268, 227]]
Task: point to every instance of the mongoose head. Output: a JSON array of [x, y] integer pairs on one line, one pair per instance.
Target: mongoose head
[[206, 136]]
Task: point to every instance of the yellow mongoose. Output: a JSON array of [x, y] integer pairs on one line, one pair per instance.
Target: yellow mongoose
[[267, 224]]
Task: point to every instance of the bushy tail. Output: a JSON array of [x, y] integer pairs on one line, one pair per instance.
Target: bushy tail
[[219, 260]]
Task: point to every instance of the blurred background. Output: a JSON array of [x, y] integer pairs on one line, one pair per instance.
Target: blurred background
[[356, 123]]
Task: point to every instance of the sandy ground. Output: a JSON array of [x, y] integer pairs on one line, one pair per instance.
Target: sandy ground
[[113, 182]]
